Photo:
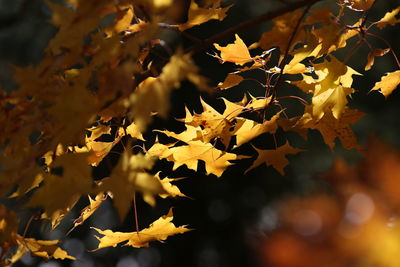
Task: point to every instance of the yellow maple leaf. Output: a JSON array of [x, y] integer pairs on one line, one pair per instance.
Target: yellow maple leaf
[[65, 188], [170, 189], [280, 34], [332, 87], [275, 157], [213, 123], [237, 52], [160, 150], [332, 37], [231, 80], [191, 133], [388, 83], [246, 130], [198, 15], [389, 18], [332, 128], [216, 161], [98, 150], [97, 131], [122, 21], [132, 130], [375, 53], [157, 90], [46, 249], [258, 103], [129, 177], [159, 230], [87, 211]]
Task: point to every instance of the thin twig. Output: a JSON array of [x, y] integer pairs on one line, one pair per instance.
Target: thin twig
[[283, 62], [135, 212]]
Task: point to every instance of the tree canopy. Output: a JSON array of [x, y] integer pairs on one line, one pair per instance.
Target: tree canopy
[[84, 122]]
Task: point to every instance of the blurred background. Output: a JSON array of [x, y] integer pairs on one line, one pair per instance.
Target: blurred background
[[318, 212]]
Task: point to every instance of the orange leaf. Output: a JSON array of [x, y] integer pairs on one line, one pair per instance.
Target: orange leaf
[[237, 52], [388, 83], [389, 18], [230, 81], [159, 230], [198, 15], [375, 53]]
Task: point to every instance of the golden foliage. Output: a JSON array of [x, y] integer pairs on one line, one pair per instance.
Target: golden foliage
[[159, 230], [98, 88]]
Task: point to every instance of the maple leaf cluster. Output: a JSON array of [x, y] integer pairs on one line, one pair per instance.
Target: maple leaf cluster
[[100, 84]]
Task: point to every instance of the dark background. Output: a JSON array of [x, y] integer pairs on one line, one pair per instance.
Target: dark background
[[231, 216]]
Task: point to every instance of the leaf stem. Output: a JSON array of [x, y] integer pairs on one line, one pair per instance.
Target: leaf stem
[[135, 212]]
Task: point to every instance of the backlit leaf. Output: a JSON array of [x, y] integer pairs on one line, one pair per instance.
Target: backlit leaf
[[237, 52], [159, 230], [388, 83]]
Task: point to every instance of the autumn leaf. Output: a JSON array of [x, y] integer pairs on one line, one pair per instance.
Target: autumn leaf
[[159, 230], [87, 211], [230, 81], [160, 150], [332, 87], [8, 228], [245, 129], [198, 15], [123, 19], [280, 34], [214, 123], [258, 103], [388, 83], [375, 53], [237, 52], [157, 90], [97, 131], [332, 37], [274, 157], [216, 161], [209, 124], [46, 249], [388, 19], [170, 189], [332, 128], [65, 188], [128, 177], [191, 133], [132, 130]]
